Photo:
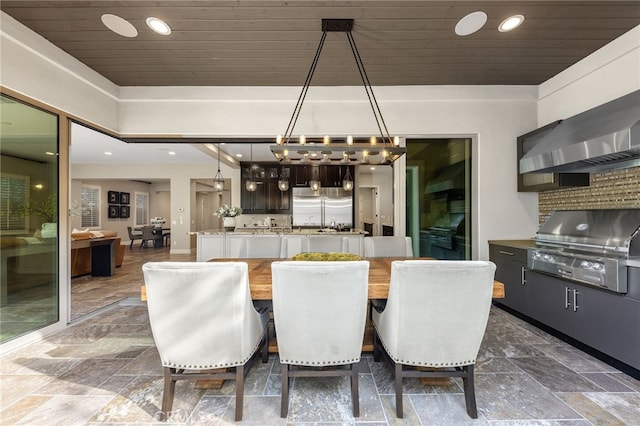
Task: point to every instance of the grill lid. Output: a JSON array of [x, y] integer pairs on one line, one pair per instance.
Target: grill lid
[[614, 231]]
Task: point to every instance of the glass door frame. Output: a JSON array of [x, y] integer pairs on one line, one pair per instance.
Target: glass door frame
[[64, 239]]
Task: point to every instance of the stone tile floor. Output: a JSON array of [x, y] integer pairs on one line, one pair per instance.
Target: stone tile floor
[[106, 370]]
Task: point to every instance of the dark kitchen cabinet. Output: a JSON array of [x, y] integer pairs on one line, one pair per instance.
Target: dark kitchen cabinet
[[330, 176], [267, 198], [511, 264], [597, 318]]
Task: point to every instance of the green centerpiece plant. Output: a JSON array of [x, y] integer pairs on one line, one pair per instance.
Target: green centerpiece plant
[[330, 256]]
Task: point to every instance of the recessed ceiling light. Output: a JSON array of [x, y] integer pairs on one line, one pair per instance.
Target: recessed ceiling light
[[239, 155], [119, 25], [471, 23], [158, 25], [108, 153], [372, 168], [50, 153], [511, 23], [38, 186], [171, 153]]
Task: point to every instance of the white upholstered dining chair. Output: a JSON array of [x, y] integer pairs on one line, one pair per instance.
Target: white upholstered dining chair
[[202, 318], [319, 311], [325, 244], [388, 247], [264, 246], [436, 315]]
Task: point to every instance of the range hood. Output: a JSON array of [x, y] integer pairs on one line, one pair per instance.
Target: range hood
[[449, 178], [603, 138]]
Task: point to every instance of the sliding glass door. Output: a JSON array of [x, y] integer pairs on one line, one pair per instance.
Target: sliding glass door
[[439, 197], [28, 218]]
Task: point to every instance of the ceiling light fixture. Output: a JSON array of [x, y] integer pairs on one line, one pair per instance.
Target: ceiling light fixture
[[344, 150], [347, 181], [218, 181], [119, 25], [471, 23], [512, 22], [158, 25]]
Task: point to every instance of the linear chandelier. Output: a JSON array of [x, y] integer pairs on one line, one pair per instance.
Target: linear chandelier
[[382, 149]]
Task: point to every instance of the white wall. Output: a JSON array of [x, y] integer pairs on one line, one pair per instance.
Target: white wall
[[605, 75]]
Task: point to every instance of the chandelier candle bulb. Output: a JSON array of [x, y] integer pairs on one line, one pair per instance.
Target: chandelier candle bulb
[[326, 140], [349, 140]]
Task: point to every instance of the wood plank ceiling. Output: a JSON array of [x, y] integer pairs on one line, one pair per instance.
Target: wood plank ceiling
[[272, 43]]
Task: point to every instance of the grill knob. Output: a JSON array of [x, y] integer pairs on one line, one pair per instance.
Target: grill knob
[[585, 264], [598, 266], [547, 257]]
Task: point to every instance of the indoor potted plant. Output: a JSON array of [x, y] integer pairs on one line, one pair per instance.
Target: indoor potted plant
[[47, 211], [228, 215]]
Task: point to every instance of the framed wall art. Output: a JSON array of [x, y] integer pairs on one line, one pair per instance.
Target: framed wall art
[[125, 211], [124, 198], [113, 197], [114, 212]]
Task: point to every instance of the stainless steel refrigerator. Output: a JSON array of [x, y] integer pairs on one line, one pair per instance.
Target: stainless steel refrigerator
[[321, 208]]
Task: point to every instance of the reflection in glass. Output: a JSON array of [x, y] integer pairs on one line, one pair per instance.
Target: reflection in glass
[[439, 197], [28, 218]]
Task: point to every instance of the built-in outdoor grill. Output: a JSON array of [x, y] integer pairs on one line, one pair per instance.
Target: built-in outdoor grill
[[588, 246]]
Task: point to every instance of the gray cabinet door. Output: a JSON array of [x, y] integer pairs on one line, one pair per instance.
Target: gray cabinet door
[[551, 302], [510, 270], [608, 322]]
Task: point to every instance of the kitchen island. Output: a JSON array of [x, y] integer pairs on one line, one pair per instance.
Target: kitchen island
[[217, 244]]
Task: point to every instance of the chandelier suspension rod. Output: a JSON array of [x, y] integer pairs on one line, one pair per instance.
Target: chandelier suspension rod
[[305, 88], [386, 137]]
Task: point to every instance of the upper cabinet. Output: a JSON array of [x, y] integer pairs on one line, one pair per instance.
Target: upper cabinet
[[267, 198]]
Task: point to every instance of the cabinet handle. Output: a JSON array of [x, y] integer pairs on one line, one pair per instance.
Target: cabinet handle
[[523, 278], [508, 253], [575, 300], [566, 297]]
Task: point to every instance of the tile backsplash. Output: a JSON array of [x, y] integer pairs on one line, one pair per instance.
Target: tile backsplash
[[608, 190]]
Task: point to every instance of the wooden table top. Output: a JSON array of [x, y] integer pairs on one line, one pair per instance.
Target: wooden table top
[[379, 277]]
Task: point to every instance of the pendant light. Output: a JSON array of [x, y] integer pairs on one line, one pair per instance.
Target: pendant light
[[283, 183], [347, 181], [218, 181], [251, 184], [314, 182]]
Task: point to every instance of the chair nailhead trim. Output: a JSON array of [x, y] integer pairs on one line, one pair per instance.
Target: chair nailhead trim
[[212, 366]]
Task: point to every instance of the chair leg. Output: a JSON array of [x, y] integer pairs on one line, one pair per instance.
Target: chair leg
[[239, 391], [469, 392], [265, 347], [131, 244], [167, 393], [376, 346], [284, 398], [355, 397], [398, 377]]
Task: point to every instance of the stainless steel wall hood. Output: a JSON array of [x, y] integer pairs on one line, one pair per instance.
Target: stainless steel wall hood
[[603, 138]]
